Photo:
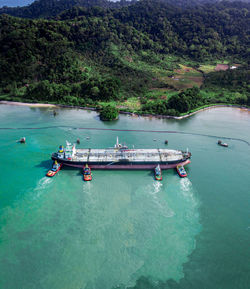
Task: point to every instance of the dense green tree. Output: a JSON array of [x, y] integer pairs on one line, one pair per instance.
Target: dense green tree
[[108, 113], [109, 89], [186, 100], [47, 91], [233, 79]]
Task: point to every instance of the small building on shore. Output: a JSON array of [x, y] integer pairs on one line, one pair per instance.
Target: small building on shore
[[221, 67]]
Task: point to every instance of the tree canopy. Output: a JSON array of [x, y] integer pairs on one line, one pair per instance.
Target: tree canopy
[[108, 113], [89, 54]]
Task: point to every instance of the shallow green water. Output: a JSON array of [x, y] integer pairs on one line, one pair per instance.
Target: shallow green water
[[124, 229]]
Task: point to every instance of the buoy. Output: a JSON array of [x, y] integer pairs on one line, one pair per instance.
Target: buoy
[[22, 140]]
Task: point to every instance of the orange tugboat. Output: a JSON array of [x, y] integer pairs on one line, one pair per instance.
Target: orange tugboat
[[87, 176], [181, 171], [55, 169], [158, 175]]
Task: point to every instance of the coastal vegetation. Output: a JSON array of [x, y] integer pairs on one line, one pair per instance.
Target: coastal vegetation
[[108, 113], [141, 56]]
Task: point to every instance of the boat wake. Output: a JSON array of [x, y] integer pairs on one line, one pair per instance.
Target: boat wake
[[88, 198], [185, 184], [187, 194], [162, 206], [187, 189], [41, 186], [157, 188], [170, 224], [86, 188]]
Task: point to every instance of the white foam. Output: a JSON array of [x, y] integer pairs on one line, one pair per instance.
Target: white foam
[[41, 186], [187, 190], [185, 184], [86, 188], [157, 187], [161, 204], [44, 182]]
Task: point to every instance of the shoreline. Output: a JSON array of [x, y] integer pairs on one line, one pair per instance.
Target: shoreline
[[212, 106], [37, 104]]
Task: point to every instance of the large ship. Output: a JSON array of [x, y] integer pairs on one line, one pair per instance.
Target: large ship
[[120, 157]]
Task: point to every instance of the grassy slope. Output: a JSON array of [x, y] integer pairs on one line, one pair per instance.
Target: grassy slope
[[171, 75], [146, 75]]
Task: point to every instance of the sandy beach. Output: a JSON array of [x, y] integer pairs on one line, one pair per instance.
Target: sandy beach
[[28, 104]]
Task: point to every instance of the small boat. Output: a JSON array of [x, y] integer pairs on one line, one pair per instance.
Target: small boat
[[22, 140], [158, 175], [55, 169], [181, 171], [223, 144], [87, 176]]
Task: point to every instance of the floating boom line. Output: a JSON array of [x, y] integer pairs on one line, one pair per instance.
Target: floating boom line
[[127, 130]]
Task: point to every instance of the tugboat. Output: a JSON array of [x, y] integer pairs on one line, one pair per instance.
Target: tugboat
[[158, 175], [181, 171], [223, 144], [55, 169], [87, 176]]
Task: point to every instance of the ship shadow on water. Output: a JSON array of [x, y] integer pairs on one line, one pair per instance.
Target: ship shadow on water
[[151, 174], [47, 164]]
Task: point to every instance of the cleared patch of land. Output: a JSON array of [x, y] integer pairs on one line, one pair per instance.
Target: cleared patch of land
[[131, 104], [207, 68], [179, 79]]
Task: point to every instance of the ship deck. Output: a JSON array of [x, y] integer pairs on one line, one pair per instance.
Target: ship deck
[[131, 155]]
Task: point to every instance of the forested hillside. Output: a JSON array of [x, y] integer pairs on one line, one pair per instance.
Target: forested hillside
[[91, 55], [50, 8]]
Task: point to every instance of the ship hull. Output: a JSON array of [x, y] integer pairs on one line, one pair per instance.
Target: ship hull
[[123, 166]]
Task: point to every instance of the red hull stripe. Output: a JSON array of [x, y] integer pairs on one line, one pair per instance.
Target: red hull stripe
[[129, 167]]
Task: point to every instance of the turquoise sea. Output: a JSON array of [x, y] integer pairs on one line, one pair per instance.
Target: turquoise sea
[[124, 229]]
